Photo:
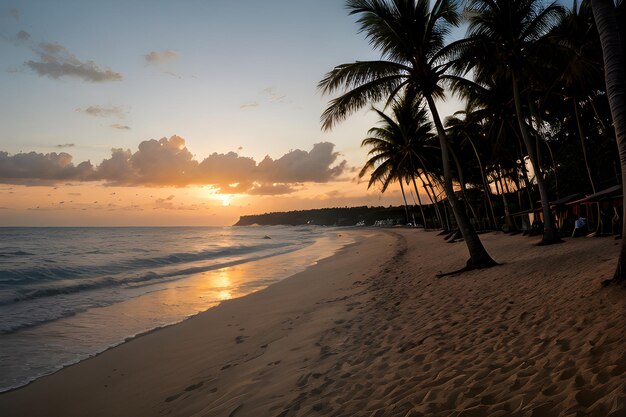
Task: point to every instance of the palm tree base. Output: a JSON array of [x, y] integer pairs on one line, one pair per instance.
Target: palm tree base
[[471, 266], [619, 278], [613, 282]]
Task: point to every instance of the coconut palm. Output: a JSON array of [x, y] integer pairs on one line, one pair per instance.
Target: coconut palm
[[386, 163], [403, 139], [577, 72], [502, 43], [410, 37], [465, 130], [605, 13]]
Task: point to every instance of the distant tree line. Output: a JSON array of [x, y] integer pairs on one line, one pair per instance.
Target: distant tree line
[[337, 216]]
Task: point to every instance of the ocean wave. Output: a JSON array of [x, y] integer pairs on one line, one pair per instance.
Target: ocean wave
[[40, 273], [16, 253], [66, 287]]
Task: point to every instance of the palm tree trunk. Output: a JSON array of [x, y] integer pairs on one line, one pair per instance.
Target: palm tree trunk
[[538, 140], [485, 184], [419, 201], [432, 196], [432, 203], [406, 206], [595, 111], [605, 15], [445, 213], [479, 258], [550, 234], [582, 144], [462, 182], [528, 185], [584, 148], [507, 211]]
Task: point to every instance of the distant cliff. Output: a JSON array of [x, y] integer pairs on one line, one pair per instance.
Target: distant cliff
[[338, 216]]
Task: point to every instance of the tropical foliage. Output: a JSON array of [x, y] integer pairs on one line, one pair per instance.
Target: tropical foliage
[[544, 91]]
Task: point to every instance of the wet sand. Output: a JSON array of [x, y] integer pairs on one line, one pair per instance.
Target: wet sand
[[371, 331]]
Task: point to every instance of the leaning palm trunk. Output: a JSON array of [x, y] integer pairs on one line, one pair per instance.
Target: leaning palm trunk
[[436, 200], [419, 201], [605, 15], [428, 186], [463, 183], [406, 206], [581, 133], [582, 144], [494, 224], [507, 212], [550, 234], [479, 258]]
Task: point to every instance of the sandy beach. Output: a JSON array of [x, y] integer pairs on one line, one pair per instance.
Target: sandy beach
[[372, 331]]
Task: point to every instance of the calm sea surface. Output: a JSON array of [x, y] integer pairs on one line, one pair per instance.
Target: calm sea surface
[[69, 293]]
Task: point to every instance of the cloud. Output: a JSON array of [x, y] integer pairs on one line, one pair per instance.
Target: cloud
[[271, 189], [302, 166], [273, 95], [172, 74], [168, 204], [155, 58], [120, 127], [55, 62], [23, 35], [250, 105], [65, 145], [103, 111], [164, 203], [32, 167], [164, 162], [168, 163]]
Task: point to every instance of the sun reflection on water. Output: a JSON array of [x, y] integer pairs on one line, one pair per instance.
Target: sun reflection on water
[[222, 282]]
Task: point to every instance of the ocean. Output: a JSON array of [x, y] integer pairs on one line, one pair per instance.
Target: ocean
[[69, 293]]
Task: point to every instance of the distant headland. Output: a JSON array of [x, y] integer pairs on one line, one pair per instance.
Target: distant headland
[[336, 216]]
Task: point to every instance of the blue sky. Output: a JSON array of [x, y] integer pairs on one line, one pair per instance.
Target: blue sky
[[264, 56]]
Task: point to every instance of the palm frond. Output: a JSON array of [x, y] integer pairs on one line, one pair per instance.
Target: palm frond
[[371, 92]]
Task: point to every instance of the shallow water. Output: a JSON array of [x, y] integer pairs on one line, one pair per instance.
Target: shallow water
[[69, 293]]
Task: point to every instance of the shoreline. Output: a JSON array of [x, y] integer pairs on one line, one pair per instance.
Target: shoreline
[[357, 235], [324, 254], [372, 331]]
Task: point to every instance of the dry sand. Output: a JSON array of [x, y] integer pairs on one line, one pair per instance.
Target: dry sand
[[372, 332]]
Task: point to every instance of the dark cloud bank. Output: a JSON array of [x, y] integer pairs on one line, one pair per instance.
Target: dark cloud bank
[[168, 163]]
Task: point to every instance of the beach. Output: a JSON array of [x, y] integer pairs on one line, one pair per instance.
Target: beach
[[372, 331]]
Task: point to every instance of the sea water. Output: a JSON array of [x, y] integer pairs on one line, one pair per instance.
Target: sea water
[[69, 293]]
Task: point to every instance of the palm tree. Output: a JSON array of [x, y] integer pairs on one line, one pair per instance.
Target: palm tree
[[386, 163], [403, 139], [466, 130], [576, 66], [410, 37], [503, 35], [605, 13]]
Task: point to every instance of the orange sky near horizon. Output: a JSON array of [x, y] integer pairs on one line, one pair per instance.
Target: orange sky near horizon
[[99, 205]]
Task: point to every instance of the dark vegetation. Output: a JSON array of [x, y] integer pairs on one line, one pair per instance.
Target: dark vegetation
[[545, 115], [339, 216]]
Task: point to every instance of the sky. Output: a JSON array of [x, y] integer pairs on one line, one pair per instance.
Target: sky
[[175, 113]]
